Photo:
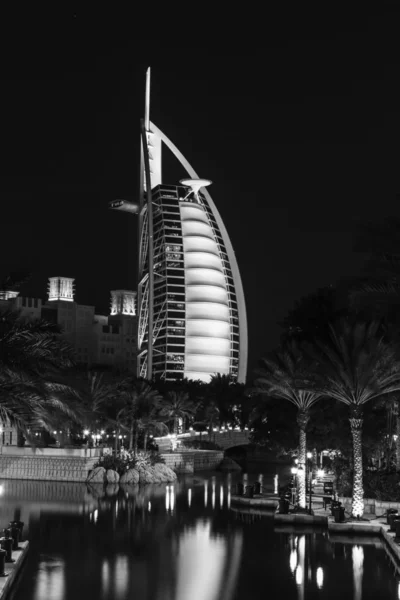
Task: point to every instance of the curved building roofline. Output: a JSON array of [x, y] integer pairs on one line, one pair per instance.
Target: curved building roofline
[[243, 343]]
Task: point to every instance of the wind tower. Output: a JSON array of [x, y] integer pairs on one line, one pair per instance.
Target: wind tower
[[190, 301]]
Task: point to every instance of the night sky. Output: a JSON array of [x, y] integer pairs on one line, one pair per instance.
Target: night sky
[[295, 117]]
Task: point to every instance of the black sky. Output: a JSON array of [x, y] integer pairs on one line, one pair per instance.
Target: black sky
[[294, 116]]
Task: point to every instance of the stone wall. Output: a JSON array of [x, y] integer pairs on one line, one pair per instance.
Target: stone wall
[[49, 468], [371, 506], [191, 462], [36, 466], [50, 451]]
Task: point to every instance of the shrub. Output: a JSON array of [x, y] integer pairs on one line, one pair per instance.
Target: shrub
[[381, 485], [156, 458], [125, 460], [109, 461], [148, 459]]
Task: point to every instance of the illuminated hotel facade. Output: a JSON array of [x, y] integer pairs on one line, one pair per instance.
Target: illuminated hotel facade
[[190, 294]]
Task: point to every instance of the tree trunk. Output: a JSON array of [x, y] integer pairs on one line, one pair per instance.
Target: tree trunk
[[398, 443], [356, 422], [314, 463], [176, 425], [135, 448], [20, 438], [302, 420], [146, 433], [116, 441], [131, 435]]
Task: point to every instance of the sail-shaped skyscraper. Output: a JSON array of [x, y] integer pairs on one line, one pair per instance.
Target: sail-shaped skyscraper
[[190, 294]]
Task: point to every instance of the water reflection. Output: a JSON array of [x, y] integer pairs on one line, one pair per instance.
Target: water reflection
[[358, 562], [181, 541], [320, 577], [200, 553], [51, 580]]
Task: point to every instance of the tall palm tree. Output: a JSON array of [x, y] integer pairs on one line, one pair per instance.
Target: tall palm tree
[[285, 374], [137, 395], [176, 406], [95, 393], [223, 391], [356, 366], [377, 292]]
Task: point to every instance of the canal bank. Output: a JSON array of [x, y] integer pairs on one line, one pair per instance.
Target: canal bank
[[75, 464], [12, 570], [351, 529]]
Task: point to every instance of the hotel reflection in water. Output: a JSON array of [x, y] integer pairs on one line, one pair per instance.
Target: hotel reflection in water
[[170, 542], [161, 542]]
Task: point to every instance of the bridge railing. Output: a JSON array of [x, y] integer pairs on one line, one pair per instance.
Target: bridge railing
[[225, 438]]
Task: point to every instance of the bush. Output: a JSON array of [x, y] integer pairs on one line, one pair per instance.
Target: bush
[[381, 485], [109, 461], [125, 460], [156, 458], [148, 459]]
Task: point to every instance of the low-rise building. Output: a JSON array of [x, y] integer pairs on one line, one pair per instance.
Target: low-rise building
[[97, 339]]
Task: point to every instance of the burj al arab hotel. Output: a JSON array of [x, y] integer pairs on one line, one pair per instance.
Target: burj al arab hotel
[[191, 307]]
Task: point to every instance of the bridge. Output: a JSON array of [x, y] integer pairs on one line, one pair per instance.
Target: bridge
[[223, 438]]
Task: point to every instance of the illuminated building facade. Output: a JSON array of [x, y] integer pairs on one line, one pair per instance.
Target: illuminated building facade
[[190, 294]]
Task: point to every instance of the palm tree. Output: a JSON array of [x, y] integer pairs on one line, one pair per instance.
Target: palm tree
[[377, 293], [176, 406], [356, 366], [33, 361], [139, 398], [95, 393], [285, 375], [222, 391]]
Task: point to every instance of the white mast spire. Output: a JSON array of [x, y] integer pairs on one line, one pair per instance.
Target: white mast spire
[[147, 100]]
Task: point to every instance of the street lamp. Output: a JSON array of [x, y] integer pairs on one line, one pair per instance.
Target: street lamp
[[309, 467], [294, 489]]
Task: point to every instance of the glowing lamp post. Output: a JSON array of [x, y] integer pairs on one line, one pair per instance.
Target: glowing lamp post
[[294, 471], [309, 466]]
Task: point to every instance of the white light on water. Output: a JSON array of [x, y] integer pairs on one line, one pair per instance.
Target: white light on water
[[189, 497], [293, 560], [320, 577], [299, 575]]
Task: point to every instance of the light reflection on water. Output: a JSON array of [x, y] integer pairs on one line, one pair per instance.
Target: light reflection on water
[[181, 541]]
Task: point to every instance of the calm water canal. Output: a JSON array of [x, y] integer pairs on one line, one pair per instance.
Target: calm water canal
[[180, 542]]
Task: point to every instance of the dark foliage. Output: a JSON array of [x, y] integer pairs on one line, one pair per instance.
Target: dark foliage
[[116, 463], [381, 485]]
